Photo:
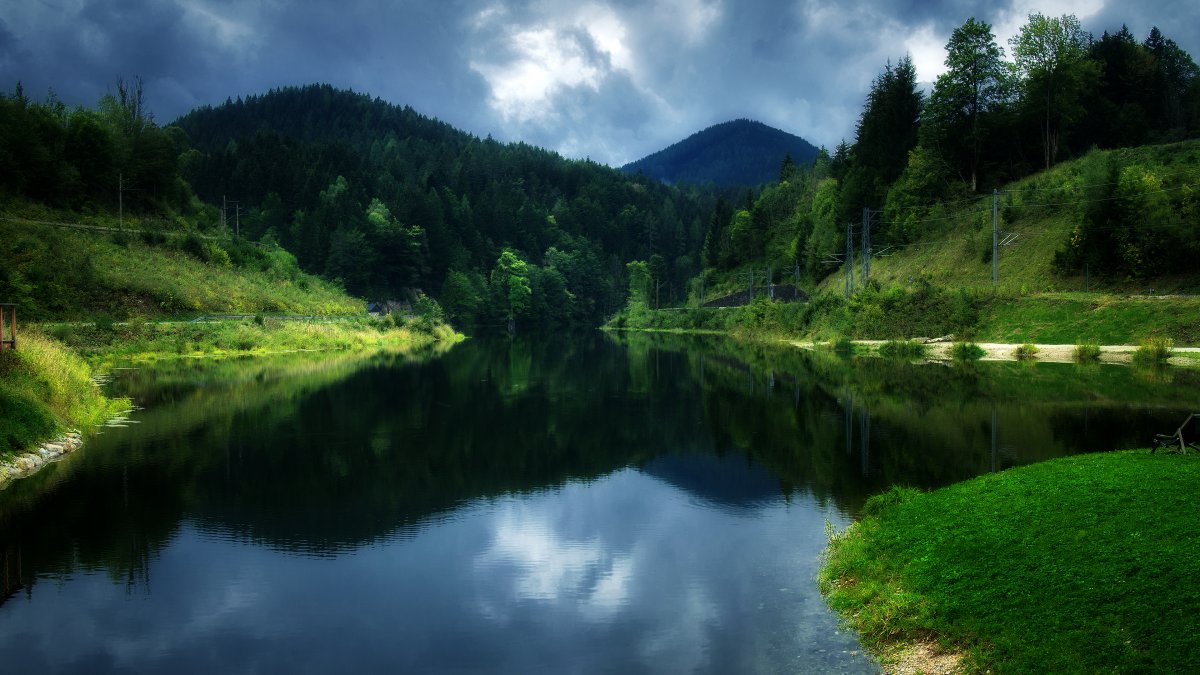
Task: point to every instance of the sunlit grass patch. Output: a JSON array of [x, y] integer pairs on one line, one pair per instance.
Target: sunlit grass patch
[[44, 390], [1080, 564]]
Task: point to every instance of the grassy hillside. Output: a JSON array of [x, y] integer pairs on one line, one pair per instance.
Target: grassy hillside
[[65, 273], [1040, 214], [1063, 226], [87, 290]]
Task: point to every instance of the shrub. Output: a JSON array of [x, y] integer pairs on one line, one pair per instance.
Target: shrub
[[1086, 353], [1154, 350], [105, 323], [902, 349], [967, 351], [842, 345], [1026, 352]]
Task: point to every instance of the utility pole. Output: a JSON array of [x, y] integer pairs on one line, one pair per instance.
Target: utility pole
[[866, 246], [237, 218], [995, 238], [849, 260]]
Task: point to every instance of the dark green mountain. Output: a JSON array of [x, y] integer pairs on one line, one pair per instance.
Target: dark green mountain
[[386, 199], [738, 153]]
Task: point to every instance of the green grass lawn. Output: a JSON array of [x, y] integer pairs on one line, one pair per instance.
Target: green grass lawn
[[1081, 564], [1069, 318]]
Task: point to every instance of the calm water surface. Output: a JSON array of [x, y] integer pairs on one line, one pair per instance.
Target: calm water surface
[[585, 505]]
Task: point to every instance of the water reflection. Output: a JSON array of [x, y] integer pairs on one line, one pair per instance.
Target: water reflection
[[587, 504], [613, 570]]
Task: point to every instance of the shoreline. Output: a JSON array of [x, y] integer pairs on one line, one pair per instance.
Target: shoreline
[[30, 462], [928, 579], [1046, 353]]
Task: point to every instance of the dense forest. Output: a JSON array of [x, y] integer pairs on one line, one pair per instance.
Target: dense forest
[[378, 197], [84, 159], [916, 159], [385, 199], [737, 154]]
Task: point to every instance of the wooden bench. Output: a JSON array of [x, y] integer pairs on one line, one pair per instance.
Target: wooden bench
[[1169, 442]]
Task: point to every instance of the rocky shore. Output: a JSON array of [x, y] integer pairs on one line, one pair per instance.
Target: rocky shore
[[30, 462]]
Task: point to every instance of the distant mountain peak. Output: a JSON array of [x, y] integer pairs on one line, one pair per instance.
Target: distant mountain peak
[[735, 153]]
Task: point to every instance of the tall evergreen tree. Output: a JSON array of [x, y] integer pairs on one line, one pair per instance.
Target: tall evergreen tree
[[1176, 72], [887, 130], [1117, 113]]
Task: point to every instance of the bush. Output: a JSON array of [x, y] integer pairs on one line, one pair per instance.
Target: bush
[[842, 345], [1026, 352], [429, 313], [902, 349], [1154, 350], [1086, 353], [966, 351]]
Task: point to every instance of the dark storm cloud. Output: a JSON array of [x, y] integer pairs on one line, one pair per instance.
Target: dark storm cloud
[[609, 79], [10, 50], [1177, 19]]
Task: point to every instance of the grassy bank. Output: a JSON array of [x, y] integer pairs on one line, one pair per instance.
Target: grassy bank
[[930, 311], [106, 340], [45, 389], [61, 273], [112, 293], [1080, 564], [46, 385]]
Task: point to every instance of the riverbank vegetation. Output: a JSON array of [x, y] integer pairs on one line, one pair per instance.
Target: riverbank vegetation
[[1079, 564], [930, 311], [107, 340], [76, 273], [45, 390]]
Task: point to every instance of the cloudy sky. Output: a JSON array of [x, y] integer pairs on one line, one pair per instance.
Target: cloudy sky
[[612, 80]]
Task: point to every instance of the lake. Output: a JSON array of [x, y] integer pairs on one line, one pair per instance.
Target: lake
[[584, 504]]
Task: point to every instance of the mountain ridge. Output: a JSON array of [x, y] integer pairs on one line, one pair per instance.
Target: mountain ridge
[[740, 152]]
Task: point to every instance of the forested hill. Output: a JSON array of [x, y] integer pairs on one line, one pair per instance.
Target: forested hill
[[385, 199], [738, 153]]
